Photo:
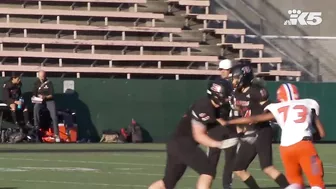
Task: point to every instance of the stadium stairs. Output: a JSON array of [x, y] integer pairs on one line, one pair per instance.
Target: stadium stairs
[[134, 38]]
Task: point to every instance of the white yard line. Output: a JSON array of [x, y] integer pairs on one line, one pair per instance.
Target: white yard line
[[329, 165], [84, 162], [79, 183]]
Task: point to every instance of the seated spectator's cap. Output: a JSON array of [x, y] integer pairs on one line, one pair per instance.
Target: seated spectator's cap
[[225, 64]]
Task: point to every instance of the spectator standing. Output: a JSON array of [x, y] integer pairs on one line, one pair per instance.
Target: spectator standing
[[44, 89]]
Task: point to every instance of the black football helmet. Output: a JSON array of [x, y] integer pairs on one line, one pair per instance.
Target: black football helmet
[[219, 92], [243, 73]]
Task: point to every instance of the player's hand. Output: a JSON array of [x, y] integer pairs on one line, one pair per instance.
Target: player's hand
[[228, 143], [18, 102], [222, 122]]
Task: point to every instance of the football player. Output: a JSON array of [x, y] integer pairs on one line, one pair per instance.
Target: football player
[[251, 99], [221, 133], [297, 119], [183, 150]]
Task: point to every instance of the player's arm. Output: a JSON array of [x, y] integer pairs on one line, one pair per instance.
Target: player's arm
[[199, 131], [253, 119], [221, 121], [6, 94], [201, 117], [319, 125]]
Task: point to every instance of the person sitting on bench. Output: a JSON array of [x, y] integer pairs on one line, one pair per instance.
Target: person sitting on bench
[[12, 97]]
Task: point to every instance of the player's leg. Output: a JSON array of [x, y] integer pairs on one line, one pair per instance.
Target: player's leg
[[311, 164], [290, 161], [26, 116], [173, 172], [221, 133], [230, 155], [195, 158], [13, 112], [265, 153], [245, 155]]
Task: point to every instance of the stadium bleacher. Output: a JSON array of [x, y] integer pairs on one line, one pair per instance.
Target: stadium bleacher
[[128, 32]]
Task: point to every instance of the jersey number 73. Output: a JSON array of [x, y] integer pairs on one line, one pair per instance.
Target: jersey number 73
[[300, 115]]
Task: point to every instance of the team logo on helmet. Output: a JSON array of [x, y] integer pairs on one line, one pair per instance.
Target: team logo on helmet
[[216, 88], [246, 69]]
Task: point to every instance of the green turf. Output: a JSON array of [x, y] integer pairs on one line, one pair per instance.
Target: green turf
[[113, 166]]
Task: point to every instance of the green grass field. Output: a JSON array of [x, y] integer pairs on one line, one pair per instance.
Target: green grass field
[[113, 166]]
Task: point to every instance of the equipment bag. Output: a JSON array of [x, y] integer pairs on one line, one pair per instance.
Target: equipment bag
[[110, 137], [16, 137]]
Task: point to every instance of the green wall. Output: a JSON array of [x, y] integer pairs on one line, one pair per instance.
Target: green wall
[[156, 104]]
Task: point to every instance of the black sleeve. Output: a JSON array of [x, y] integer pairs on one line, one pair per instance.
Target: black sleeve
[[35, 89], [51, 88], [6, 95], [203, 114]]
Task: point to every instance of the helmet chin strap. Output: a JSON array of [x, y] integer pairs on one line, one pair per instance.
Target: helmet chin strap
[[217, 101], [242, 85]]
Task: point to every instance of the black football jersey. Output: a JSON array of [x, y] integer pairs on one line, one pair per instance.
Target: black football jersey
[[203, 111], [249, 102]]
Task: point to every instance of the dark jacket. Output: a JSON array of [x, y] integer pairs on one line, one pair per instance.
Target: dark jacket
[[44, 88], [11, 92]]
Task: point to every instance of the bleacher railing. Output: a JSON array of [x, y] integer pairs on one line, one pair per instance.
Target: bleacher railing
[[309, 66]]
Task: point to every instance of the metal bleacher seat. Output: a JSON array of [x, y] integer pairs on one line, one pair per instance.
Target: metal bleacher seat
[[129, 71], [63, 68], [121, 2], [109, 57], [136, 16], [212, 17], [106, 57], [93, 43], [75, 28]]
